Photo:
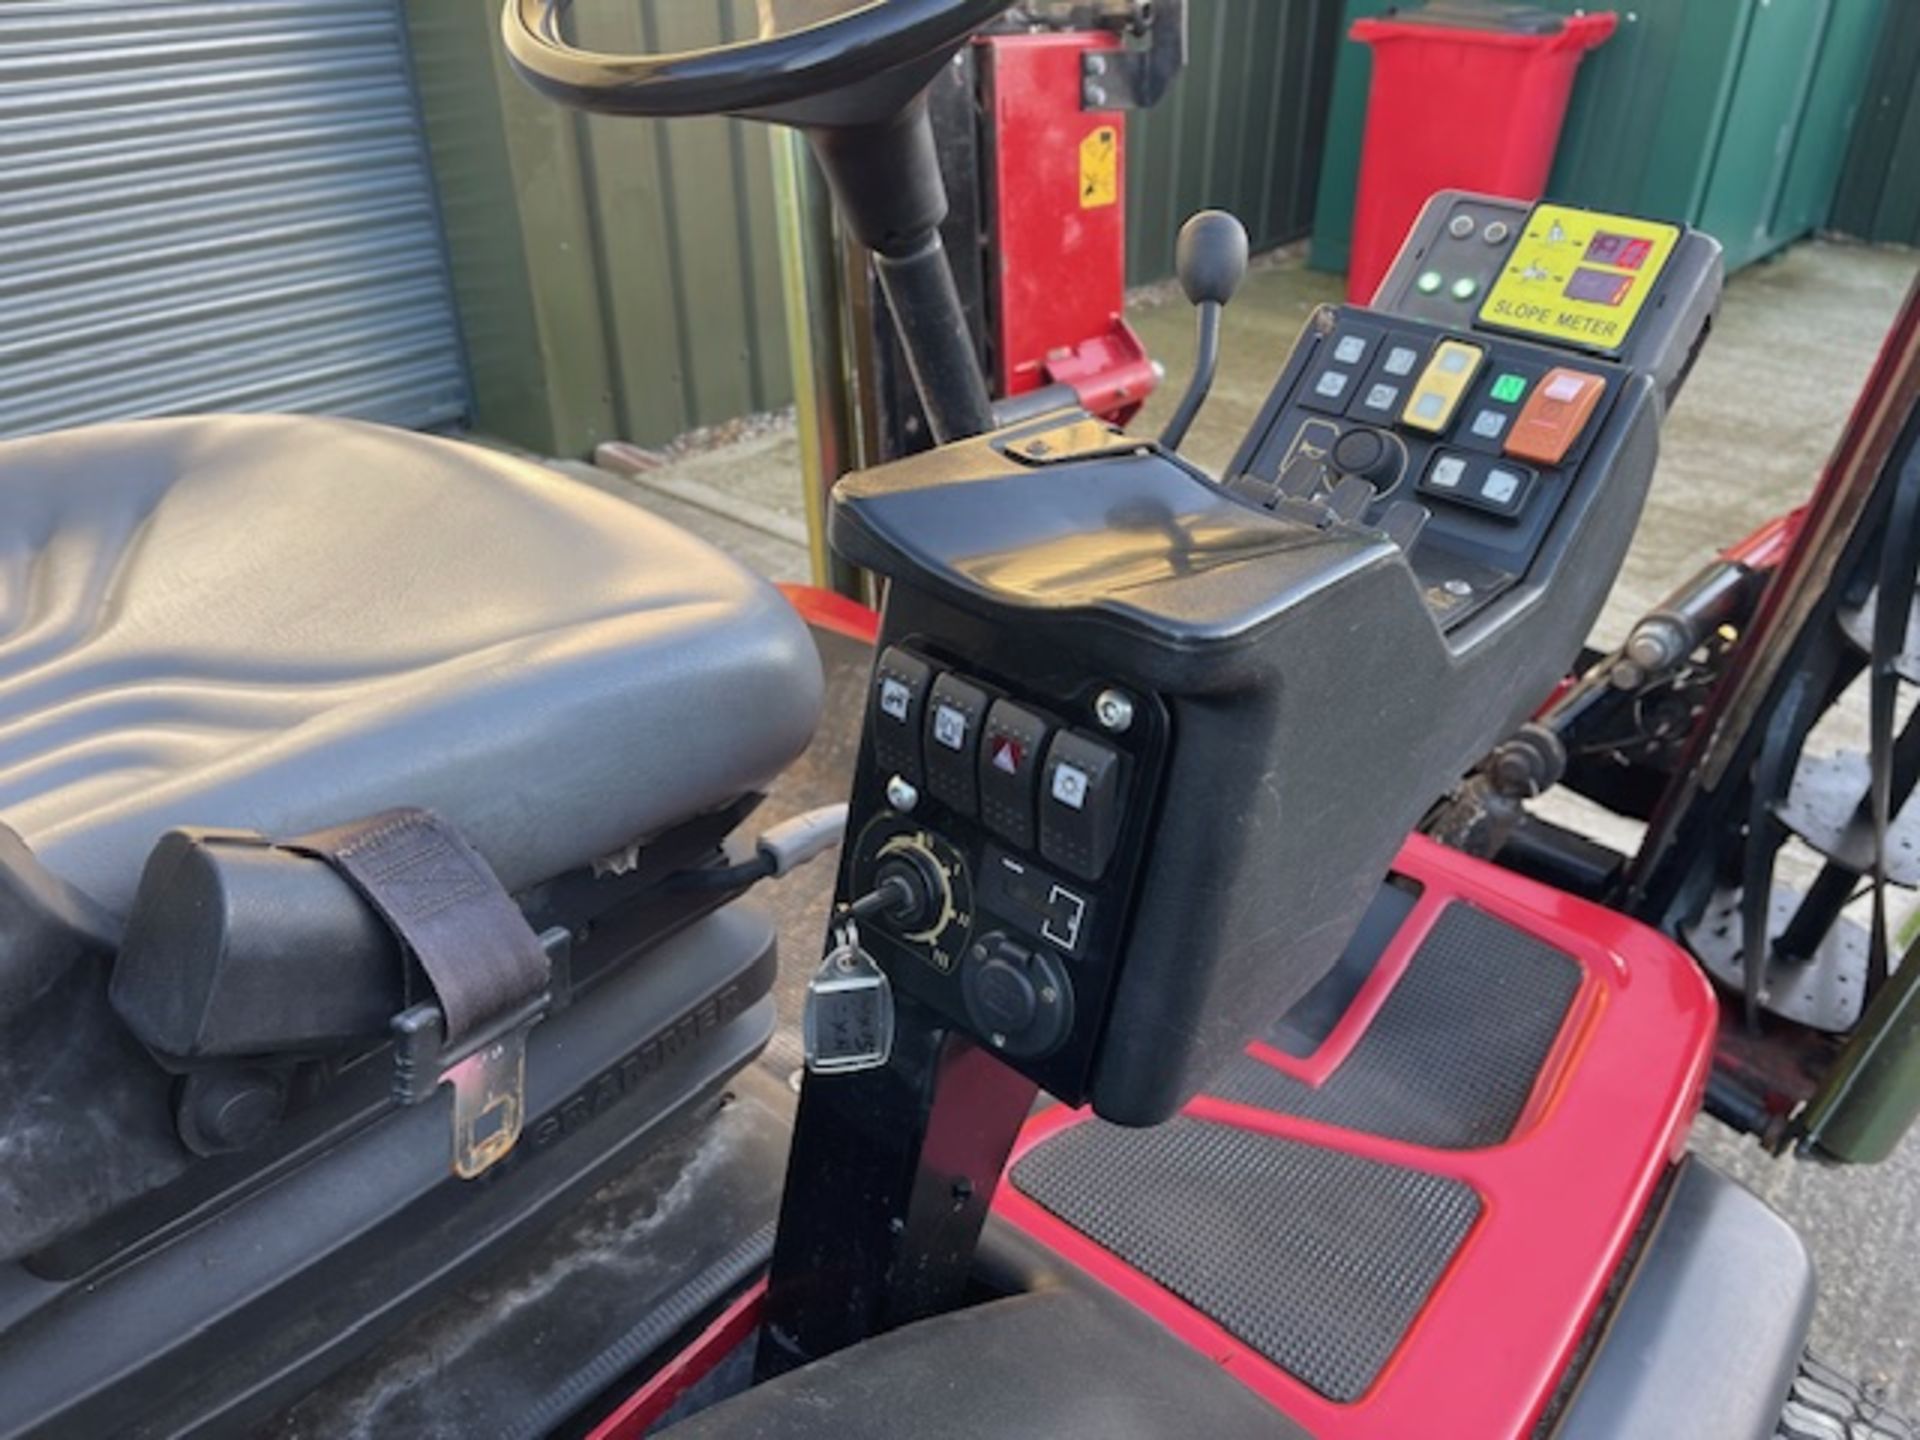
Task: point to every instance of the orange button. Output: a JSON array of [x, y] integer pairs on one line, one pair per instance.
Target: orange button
[[1554, 416]]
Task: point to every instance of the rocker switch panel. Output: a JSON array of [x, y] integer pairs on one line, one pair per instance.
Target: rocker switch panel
[[956, 711], [900, 683], [1081, 804]]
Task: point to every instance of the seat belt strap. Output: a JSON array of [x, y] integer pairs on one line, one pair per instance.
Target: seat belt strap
[[448, 908]]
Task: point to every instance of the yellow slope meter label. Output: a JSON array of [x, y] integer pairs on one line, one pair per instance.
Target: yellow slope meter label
[[1579, 277]]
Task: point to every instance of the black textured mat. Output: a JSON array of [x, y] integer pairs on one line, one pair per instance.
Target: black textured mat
[[1455, 1050], [1317, 1259]]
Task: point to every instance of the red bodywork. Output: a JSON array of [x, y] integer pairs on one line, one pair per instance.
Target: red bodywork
[[730, 1329], [1057, 178], [1608, 1116]]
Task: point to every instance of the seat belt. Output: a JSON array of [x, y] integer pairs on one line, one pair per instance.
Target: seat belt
[[488, 971]]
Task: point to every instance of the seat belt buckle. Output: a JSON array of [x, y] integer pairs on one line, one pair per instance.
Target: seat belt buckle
[[487, 1071]]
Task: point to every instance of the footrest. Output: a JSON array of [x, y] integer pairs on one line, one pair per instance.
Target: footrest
[[1441, 1187], [1454, 1051], [1275, 1282]]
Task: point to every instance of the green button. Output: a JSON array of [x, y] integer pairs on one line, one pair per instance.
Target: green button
[[1465, 287], [1508, 388], [1429, 282]]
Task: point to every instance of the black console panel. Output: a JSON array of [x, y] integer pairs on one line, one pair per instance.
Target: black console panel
[[1345, 408], [1141, 743], [1019, 819]]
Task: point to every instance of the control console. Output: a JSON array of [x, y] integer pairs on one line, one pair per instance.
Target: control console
[[1508, 354], [1013, 816], [1140, 743]]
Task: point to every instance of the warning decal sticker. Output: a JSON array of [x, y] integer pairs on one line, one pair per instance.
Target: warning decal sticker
[[1100, 169]]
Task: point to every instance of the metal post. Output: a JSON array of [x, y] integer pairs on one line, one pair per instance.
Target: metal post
[[888, 1185]]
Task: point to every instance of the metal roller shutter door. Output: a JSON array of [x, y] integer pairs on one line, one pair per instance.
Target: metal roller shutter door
[[217, 205]]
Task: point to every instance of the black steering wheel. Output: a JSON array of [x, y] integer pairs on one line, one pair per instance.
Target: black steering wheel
[[811, 63]]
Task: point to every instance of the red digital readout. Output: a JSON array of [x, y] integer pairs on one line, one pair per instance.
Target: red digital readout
[[1601, 287], [1626, 251]]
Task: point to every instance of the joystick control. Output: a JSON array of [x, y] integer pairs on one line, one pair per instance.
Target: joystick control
[[1367, 455]]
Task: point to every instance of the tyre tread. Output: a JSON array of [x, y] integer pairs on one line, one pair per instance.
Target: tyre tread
[[1828, 1404]]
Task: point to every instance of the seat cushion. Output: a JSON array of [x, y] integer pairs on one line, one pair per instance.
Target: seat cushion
[[1059, 1364], [279, 623]]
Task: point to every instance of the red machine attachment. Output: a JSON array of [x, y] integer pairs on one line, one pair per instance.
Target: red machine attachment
[[1058, 222]]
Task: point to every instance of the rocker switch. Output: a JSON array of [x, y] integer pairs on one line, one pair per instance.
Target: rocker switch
[[1010, 771], [1081, 803], [900, 683], [956, 712]]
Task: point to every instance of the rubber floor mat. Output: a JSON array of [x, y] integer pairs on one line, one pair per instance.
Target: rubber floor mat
[[1317, 1259], [1454, 1052]]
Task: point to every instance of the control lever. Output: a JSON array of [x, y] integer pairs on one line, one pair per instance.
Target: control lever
[[1211, 261], [894, 895]]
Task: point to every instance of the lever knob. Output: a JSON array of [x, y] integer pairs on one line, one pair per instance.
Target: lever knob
[[1367, 454], [1211, 257]]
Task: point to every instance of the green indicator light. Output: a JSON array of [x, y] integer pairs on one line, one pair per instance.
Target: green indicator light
[[1465, 287], [1509, 388], [1429, 282]]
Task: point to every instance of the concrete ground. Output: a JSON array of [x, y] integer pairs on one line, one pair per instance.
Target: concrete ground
[[1795, 339]]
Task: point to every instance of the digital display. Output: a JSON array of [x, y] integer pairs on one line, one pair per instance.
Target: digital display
[[1598, 287], [1608, 247]]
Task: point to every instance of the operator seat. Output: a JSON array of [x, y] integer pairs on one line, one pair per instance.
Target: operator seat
[[279, 623]]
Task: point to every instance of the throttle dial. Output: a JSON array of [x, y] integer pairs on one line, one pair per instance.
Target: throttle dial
[[929, 903]]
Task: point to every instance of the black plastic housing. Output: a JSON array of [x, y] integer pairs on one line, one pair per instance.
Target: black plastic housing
[[1313, 706], [235, 947]]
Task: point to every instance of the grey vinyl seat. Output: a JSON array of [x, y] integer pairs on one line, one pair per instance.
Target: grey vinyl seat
[[281, 623]]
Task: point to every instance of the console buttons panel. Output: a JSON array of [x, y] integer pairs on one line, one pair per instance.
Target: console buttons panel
[[1379, 401], [1489, 417], [1500, 487], [1010, 751], [1402, 357], [1442, 386], [900, 683], [1080, 804], [1489, 423], [1503, 488], [1329, 389], [1351, 350], [956, 712], [1555, 414], [1380, 395], [1445, 476]]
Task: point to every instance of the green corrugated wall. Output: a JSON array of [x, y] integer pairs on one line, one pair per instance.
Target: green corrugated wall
[[618, 279], [1879, 195], [1242, 131]]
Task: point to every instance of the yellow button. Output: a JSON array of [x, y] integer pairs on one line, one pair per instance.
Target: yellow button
[[1441, 386]]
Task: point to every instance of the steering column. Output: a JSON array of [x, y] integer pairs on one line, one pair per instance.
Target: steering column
[[852, 76]]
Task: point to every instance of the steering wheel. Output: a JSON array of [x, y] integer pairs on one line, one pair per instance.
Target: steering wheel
[[814, 62]]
